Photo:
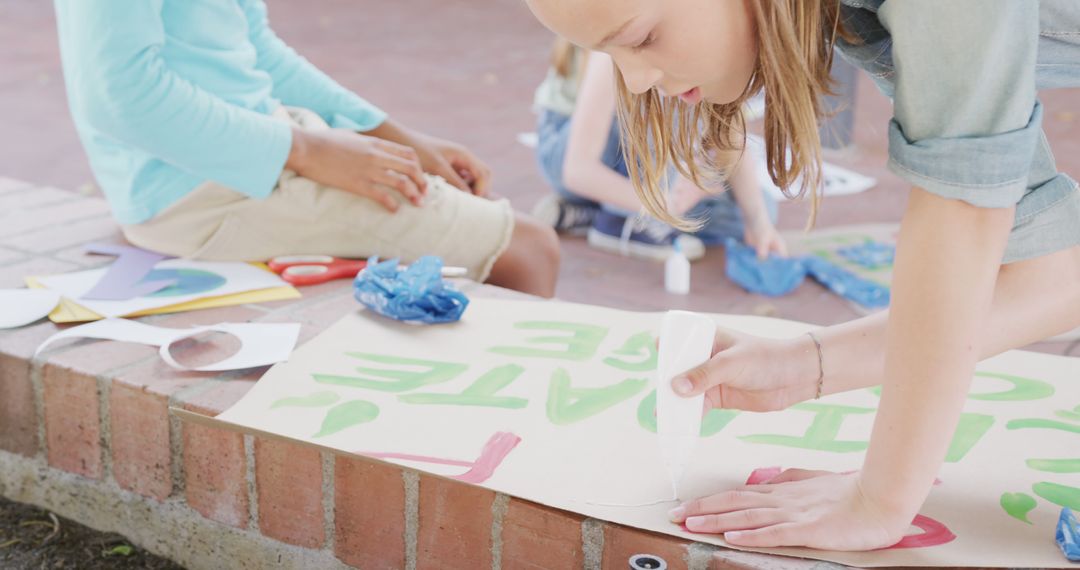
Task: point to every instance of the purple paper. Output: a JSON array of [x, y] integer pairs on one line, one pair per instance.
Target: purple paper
[[124, 278]]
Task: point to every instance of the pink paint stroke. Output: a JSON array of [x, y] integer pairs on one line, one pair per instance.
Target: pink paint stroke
[[763, 475], [934, 534], [495, 451]]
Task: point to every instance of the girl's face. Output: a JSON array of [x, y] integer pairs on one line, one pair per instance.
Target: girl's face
[[693, 49]]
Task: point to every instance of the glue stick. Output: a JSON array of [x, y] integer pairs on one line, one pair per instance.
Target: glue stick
[[677, 271]]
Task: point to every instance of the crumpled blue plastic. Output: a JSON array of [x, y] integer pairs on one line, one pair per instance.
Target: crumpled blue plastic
[[777, 276], [871, 254], [1068, 535], [416, 294], [774, 276], [847, 284]]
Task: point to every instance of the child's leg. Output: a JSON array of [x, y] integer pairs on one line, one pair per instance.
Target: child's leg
[[553, 134], [562, 210], [530, 263], [302, 217]]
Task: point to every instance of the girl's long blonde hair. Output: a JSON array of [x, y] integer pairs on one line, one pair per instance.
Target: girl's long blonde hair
[[795, 41]]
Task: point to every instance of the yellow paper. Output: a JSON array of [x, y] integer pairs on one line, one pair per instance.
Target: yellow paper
[[69, 311]]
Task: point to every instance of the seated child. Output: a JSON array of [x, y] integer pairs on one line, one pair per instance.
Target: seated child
[[212, 139], [581, 157]]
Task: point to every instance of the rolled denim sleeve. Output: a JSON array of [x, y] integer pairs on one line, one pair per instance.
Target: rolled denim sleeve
[[966, 120]]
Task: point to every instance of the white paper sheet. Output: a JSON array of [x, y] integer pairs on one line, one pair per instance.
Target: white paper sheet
[[553, 402], [838, 181], [198, 279], [20, 307], [261, 344]]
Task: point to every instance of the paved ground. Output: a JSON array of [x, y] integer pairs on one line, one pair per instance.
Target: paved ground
[[460, 69], [464, 70]]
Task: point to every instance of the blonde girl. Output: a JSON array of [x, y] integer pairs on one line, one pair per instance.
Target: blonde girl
[[989, 248]]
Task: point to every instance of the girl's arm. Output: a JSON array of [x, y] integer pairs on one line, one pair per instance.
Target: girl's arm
[[1033, 300], [760, 233], [947, 259], [583, 171]]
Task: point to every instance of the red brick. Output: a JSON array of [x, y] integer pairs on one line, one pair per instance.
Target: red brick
[[316, 316], [620, 543], [9, 255], [71, 404], [369, 513], [18, 416], [72, 421], [157, 378], [288, 478], [536, 537], [215, 470], [32, 198], [77, 253], [218, 397], [92, 357], [455, 525], [101, 228], [141, 453], [49, 218], [726, 559], [14, 275], [309, 293], [12, 185]]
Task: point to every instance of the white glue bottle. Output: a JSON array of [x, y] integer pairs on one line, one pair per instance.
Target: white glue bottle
[[686, 341], [677, 271]]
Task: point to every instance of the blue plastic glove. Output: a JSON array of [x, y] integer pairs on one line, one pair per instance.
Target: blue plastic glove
[[1068, 535], [417, 294], [871, 255], [774, 276], [847, 284]]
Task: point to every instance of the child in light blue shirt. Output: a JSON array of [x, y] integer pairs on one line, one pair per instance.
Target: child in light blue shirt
[[202, 126]]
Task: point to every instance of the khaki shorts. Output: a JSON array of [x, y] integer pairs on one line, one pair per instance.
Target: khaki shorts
[[301, 216]]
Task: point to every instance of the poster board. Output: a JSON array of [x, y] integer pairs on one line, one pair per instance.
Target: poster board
[[551, 402]]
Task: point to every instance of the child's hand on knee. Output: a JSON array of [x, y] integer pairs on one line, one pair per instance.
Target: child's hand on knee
[[453, 162], [360, 164]]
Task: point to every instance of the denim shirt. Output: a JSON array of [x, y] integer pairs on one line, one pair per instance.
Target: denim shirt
[[967, 124]]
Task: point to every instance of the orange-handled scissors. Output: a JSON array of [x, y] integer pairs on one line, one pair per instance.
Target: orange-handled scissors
[[303, 270]]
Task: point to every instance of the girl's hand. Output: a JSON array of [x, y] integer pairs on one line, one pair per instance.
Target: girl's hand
[[684, 196], [360, 164], [761, 234], [815, 509], [753, 373], [453, 162]]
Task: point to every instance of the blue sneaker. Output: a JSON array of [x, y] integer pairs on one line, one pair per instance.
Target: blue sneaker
[[565, 216], [641, 236]]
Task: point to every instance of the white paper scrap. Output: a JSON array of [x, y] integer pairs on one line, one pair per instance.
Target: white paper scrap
[[261, 344]]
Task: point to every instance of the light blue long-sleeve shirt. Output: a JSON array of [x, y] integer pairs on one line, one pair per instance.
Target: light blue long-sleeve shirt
[[168, 94]]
